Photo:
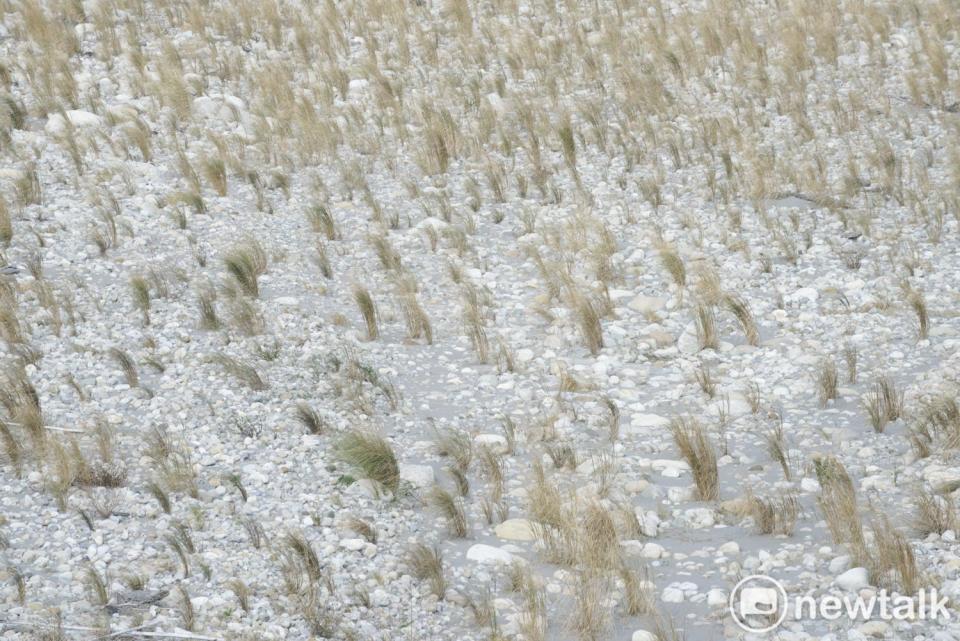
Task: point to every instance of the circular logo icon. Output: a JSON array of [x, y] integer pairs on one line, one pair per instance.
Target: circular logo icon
[[758, 603]]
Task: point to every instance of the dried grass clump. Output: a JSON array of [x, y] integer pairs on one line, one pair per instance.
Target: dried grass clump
[[127, 366], [140, 288], [6, 224], [851, 356], [918, 304], [389, 257], [935, 514], [591, 617], [884, 404], [827, 382], [368, 309], [451, 508], [696, 448], [588, 320], [372, 456], [776, 515], [215, 171], [241, 591], [741, 310], [893, 562], [246, 262], [246, 374], [322, 221], [779, 450], [599, 540], [638, 596], [301, 556], [939, 419], [310, 419], [456, 444], [96, 586], [206, 298], [705, 380], [19, 397], [544, 499], [417, 321], [426, 564], [838, 502], [364, 528], [673, 264], [705, 324], [474, 324]]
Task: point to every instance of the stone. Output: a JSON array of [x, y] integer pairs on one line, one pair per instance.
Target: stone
[[731, 548], [57, 126], [649, 522], [647, 304], [853, 579], [877, 629], [515, 530], [839, 564], [700, 517], [688, 343], [496, 442], [672, 595], [643, 635], [420, 476], [488, 554], [354, 545]]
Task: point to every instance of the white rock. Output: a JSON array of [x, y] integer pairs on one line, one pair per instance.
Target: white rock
[[515, 530], [700, 517], [643, 635], [669, 464], [357, 85], [717, 597], [379, 598], [839, 564], [941, 475], [420, 476], [354, 545], [647, 304], [649, 522], [809, 485], [804, 294], [853, 579], [57, 126], [496, 442], [875, 629], [640, 423], [488, 554], [731, 548], [524, 355], [672, 595], [498, 104], [366, 487], [652, 551], [688, 343]]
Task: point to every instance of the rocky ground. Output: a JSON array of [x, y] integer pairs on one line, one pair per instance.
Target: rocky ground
[[635, 300]]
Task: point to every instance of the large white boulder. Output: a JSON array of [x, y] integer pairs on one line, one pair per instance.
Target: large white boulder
[[488, 554]]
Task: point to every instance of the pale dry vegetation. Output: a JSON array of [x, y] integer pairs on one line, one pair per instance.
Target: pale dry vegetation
[[550, 224]]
